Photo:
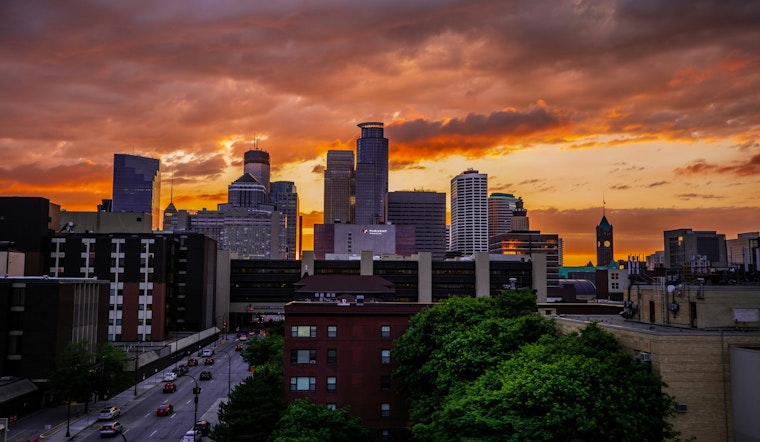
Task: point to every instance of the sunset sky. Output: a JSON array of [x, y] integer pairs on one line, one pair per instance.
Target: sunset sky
[[648, 108]]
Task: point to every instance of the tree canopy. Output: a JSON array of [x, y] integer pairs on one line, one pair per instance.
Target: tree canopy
[[488, 370], [305, 421]]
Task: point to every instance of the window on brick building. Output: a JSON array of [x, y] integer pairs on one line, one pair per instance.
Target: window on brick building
[[385, 409], [385, 331], [332, 331], [385, 383], [385, 356], [303, 356], [332, 356], [332, 383], [303, 383], [303, 331]]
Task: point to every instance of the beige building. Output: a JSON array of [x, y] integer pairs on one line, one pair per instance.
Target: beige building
[[704, 341]]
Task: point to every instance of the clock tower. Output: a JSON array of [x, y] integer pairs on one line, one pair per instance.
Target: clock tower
[[604, 243]]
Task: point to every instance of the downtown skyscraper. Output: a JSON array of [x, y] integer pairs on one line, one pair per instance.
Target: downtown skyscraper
[[137, 186], [371, 174], [469, 213], [340, 184]]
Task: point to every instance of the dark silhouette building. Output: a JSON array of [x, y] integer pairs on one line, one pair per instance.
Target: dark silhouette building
[[426, 211], [137, 186], [604, 243], [340, 187], [371, 174]]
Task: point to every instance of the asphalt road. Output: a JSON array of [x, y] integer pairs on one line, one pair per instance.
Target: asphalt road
[[138, 412]]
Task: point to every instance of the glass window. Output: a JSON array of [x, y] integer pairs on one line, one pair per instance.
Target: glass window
[[332, 356], [332, 406], [385, 356], [303, 331], [385, 383], [385, 331], [332, 331], [385, 409], [385, 435], [303, 383], [303, 356], [332, 383]]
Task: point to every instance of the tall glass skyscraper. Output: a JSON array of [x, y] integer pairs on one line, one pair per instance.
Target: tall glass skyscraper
[[371, 174], [256, 162], [469, 212], [340, 182], [137, 186], [500, 208], [284, 197], [426, 211]]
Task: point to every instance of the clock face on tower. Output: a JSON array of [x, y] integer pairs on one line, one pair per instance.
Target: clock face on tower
[[606, 244]]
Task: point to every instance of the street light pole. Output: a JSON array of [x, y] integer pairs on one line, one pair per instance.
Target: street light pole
[[196, 392], [229, 370]]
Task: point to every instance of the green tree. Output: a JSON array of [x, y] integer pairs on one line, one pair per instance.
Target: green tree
[[306, 421], [581, 386], [73, 375], [110, 376], [264, 351], [254, 407]]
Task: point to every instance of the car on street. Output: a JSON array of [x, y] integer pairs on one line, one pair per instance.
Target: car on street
[[111, 429], [170, 387], [243, 337], [108, 413], [181, 370], [192, 436], [207, 353], [192, 362], [170, 376], [205, 375], [238, 347], [208, 361], [164, 409], [203, 426]]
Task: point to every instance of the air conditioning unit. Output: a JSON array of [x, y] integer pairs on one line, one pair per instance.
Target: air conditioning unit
[[312, 362]]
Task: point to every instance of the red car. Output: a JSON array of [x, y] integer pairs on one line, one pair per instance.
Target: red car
[[164, 410], [170, 387], [192, 362], [238, 347], [208, 361]]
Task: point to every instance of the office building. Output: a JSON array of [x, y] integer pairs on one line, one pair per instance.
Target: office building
[[340, 185], [469, 212], [604, 243], [246, 191], [342, 241], [283, 196], [27, 224], [371, 174], [256, 162], [137, 186], [744, 251], [245, 232], [500, 208], [694, 252], [529, 244], [426, 211], [159, 283]]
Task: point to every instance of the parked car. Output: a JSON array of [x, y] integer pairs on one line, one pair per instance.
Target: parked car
[[192, 436], [170, 376], [111, 429], [238, 347], [170, 387], [203, 426], [208, 361], [207, 353], [164, 409], [109, 413], [205, 375], [192, 362]]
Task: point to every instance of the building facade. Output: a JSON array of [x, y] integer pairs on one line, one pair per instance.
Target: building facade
[[530, 243], [500, 209], [744, 251], [469, 212], [339, 355], [27, 224], [283, 196], [694, 252], [340, 187], [137, 185], [346, 240], [371, 174], [256, 162], [159, 283], [426, 211]]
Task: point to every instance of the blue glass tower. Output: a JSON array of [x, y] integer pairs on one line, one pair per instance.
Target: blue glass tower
[[137, 186], [371, 174]]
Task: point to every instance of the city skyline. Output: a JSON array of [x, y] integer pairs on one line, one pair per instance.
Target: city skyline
[[645, 111]]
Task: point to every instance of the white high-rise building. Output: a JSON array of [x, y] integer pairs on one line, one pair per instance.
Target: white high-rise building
[[469, 213]]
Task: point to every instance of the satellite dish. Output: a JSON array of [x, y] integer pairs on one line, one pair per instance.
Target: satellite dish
[[671, 288]]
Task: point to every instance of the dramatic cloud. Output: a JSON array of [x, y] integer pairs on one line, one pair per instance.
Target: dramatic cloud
[[650, 103]]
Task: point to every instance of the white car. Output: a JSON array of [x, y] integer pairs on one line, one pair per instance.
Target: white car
[[109, 413], [208, 353], [191, 436], [170, 376]]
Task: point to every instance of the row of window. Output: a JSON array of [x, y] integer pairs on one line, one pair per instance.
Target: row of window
[[309, 356], [309, 383], [310, 331]]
